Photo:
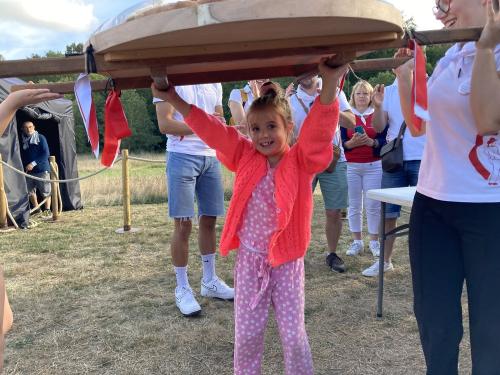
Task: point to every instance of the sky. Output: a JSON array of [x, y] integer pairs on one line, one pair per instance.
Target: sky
[[37, 26]]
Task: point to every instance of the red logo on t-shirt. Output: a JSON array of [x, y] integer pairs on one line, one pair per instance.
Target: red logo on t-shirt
[[485, 158]]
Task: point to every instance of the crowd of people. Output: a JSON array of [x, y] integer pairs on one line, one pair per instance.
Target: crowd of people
[[283, 145]]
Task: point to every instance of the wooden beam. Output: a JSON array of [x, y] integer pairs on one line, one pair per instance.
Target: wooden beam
[[226, 76]]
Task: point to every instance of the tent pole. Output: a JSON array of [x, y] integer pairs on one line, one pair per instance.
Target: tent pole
[[127, 222], [3, 200]]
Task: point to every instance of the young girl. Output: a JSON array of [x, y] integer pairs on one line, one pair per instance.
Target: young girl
[[364, 168], [269, 217]]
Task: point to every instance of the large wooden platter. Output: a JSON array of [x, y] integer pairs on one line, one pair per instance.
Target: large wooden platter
[[243, 39]]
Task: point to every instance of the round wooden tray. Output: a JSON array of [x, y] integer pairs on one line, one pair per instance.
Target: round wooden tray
[[242, 39]]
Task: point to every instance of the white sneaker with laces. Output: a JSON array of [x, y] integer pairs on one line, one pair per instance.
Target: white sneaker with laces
[[375, 248], [372, 271], [355, 248], [185, 301], [216, 288]]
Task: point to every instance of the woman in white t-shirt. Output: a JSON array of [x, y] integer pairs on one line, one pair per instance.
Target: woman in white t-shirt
[[240, 101], [455, 217]]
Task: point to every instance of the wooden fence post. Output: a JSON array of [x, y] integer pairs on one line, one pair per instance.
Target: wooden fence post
[[127, 225], [54, 203], [3, 200]]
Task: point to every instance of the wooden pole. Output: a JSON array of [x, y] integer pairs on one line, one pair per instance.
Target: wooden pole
[[54, 204], [127, 225], [3, 200]]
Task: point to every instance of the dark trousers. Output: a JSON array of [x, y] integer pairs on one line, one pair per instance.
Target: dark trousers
[[449, 243]]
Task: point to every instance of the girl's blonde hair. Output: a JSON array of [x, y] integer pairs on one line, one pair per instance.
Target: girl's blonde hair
[[273, 98], [361, 84]]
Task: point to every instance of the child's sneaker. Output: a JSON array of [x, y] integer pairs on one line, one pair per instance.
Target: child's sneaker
[[375, 248], [355, 248], [372, 271]]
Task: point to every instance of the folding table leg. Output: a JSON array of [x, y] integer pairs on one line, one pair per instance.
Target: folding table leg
[[382, 238]]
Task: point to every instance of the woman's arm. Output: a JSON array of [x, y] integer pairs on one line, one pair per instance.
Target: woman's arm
[[380, 118], [485, 81], [21, 98], [5, 316]]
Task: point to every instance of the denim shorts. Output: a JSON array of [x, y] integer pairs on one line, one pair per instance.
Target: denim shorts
[[403, 177], [190, 177], [333, 187]]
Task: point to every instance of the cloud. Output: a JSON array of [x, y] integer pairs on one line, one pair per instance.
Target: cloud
[[50, 15]]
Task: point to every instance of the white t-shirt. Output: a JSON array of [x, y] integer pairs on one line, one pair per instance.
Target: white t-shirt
[[235, 96], [413, 147], [205, 97], [458, 164], [299, 114]]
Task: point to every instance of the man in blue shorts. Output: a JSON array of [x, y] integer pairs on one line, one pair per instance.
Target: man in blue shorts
[[193, 172]]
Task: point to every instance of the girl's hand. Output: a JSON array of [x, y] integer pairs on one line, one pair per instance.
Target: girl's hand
[[490, 36], [331, 79], [219, 117], [168, 95], [255, 88], [378, 95], [356, 141]]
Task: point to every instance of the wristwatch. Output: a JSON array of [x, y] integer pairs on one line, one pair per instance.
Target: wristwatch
[[375, 143]]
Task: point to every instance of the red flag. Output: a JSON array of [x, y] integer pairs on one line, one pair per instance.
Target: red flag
[[419, 87], [83, 94], [116, 128]]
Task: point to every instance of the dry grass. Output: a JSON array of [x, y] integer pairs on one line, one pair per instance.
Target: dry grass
[[147, 181], [89, 301]]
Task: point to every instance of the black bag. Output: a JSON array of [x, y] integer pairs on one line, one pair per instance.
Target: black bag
[[392, 152]]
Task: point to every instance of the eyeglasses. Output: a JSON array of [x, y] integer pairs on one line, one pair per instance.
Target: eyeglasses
[[441, 8]]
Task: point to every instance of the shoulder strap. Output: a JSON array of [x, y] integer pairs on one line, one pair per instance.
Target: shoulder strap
[[304, 107], [244, 97], [401, 132]]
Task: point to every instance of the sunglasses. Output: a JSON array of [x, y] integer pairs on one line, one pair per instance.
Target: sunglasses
[[441, 8]]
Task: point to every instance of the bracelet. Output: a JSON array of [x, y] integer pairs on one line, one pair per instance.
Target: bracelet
[[375, 143]]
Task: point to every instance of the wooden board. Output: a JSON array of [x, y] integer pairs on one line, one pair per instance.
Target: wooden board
[[240, 39]]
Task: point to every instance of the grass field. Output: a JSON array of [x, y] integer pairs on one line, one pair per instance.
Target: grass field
[[89, 301]]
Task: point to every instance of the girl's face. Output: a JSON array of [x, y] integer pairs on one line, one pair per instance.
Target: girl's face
[[269, 133], [455, 14], [361, 97]]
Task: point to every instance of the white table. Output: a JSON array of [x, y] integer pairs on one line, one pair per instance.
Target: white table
[[402, 197]]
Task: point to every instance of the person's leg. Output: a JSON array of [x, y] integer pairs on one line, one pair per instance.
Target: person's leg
[[288, 303], [45, 189], [210, 197], [372, 179], [478, 228], [334, 189], [354, 212], [182, 171], [5, 316], [438, 275], [249, 321]]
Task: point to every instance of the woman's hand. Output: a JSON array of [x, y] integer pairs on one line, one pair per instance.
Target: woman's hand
[[490, 37], [357, 140], [378, 95], [31, 96]]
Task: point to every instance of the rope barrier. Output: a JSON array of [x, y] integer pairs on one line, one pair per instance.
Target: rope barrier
[[147, 160], [59, 181]]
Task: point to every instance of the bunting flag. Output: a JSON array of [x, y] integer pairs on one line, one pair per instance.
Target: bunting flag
[[83, 94], [419, 86], [116, 128]]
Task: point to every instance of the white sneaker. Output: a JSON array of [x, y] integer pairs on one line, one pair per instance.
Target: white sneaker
[[216, 288], [355, 248], [185, 301], [375, 248], [372, 271]]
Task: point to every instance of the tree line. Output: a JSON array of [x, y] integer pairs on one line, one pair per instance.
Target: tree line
[[141, 113]]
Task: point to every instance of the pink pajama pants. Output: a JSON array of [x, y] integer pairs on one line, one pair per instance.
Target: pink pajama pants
[[257, 285]]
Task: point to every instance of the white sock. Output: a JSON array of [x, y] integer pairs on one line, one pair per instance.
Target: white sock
[[359, 241], [181, 276], [208, 267], [374, 243]]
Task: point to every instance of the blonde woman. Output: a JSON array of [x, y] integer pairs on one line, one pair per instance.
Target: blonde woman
[[364, 169]]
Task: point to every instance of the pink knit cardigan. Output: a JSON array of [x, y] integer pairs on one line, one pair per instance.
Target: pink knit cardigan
[[293, 177]]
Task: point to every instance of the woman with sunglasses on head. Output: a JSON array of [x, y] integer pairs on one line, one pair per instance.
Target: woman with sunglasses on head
[[454, 220]]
